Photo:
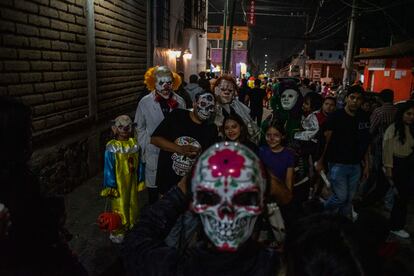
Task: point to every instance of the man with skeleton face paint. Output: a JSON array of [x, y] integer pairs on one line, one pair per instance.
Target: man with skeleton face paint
[[180, 143], [227, 193], [150, 112]]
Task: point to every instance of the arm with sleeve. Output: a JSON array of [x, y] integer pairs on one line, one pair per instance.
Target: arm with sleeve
[[144, 251], [110, 186], [387, 147]]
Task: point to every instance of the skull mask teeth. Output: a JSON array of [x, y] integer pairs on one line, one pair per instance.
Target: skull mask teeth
[[228, 187], [181, 163]]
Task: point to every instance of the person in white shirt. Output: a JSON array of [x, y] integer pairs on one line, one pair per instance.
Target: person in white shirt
[[151, 110]]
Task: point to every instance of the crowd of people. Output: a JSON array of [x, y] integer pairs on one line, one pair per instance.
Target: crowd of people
[[230, 192]]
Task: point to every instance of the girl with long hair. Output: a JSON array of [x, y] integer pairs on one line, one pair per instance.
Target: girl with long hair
[[398, 158], [235, 130]]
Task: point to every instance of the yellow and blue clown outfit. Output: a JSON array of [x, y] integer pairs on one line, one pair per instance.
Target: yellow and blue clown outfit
[[123, 179]]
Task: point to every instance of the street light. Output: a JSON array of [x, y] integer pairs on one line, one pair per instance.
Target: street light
[[187, 54]]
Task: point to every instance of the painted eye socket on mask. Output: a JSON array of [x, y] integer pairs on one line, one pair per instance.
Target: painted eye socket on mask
[[247, 199], [207, 198], [167, 82]]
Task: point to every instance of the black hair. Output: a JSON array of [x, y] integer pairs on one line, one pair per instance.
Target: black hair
[[322, 244], [257, 82], [399, 124], [306, 81], [244, 134], [315, 100], [387, 95], [276, 124], [329, 98], [193, 78], [355, 89]]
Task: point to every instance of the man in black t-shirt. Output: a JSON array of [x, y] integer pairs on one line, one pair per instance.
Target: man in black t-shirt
[[256, 97], [347, 141], [182, 136]]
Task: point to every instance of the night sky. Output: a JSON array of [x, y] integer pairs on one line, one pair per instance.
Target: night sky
[[379, 23]]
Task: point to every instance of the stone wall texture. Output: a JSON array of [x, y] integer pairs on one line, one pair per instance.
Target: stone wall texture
[[43, 62]]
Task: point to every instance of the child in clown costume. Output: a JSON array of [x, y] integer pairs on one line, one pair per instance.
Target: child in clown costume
[[123, 176]]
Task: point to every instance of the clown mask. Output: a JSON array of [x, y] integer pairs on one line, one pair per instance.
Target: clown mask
[[122, 127], [205, 106], [228, 188], [163, 81], [225, 90], [288, 99]]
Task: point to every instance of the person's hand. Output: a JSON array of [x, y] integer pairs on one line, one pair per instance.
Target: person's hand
[[4, 221], [319, 166], [189, 150]]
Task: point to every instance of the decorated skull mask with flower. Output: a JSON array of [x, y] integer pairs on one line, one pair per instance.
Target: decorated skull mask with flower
[[228, 188]]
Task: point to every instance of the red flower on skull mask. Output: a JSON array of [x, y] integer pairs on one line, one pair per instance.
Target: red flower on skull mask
[[226, 163]]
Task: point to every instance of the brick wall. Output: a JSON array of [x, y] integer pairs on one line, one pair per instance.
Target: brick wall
[[43, 61], [121, 57]]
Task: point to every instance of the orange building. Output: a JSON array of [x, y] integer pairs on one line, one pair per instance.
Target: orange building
[[392, 68]]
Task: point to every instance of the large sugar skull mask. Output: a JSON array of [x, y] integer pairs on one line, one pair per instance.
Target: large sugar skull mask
[[289, 98], [225, 90], [182, 164], [228, 188], [205, 106], [163, 81]]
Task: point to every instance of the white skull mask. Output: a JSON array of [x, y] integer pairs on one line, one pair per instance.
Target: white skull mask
[[289, 98], [205, 106], [225, 90], [228, 188], [181, 163]]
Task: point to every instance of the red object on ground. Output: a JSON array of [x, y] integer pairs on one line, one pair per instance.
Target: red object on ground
[[109, 221], [388, 249]]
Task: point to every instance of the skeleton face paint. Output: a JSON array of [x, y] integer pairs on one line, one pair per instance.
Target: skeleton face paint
[[205, 106], [228, 187], [289, 98], [225, 90], [181, 163], [163, 86]]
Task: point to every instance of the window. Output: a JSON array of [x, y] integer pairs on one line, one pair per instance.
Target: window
[[163, 22], [213, 44], [321, 54], [340, 57], [330, 55]]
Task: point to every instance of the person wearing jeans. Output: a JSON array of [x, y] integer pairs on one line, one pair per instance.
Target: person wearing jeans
[[344, 180], [347, 142]]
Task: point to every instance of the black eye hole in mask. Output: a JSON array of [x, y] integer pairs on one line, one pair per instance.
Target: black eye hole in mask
[[167, 82], [246, 199], [207, 198]]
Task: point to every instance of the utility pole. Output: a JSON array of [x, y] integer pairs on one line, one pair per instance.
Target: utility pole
[[349, 63], [305, 47], [223, 52], [230, 41]]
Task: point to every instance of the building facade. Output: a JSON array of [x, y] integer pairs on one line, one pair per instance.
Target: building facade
[[239, 49], [391, 67]]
